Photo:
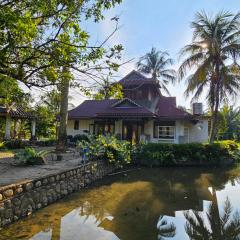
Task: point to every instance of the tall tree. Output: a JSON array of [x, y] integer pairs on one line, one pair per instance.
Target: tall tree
[[108, 89], [156, 63], [42, 43], [215, 43]]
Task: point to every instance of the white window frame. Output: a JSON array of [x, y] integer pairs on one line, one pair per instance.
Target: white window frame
[[166, 137]]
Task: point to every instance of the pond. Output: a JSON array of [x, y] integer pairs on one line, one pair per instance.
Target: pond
[[143, 204]]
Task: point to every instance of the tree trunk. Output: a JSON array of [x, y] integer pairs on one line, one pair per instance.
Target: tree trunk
[[214, 125], [62, 131]]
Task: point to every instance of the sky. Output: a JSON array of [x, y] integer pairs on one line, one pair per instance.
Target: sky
[[164, 24]]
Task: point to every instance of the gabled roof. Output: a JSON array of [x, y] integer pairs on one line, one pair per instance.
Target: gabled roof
[[18, 112], [90, 108], [130, 102], [135, 79], [108, 109]]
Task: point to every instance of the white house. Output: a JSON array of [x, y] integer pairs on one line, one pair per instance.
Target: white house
[[143, 114]]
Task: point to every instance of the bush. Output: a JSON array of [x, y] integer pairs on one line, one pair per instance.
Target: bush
[[46, 143], [156, 154], [29, 156], [79, 138], [14, 144], [2, 146], [108, 148]]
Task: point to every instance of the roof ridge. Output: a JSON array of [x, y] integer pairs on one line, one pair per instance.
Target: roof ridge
[[133, 71]]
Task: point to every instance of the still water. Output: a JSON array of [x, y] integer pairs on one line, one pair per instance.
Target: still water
[[145, 204]]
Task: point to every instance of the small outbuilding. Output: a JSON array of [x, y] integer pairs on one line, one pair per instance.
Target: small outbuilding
[[12, 116]]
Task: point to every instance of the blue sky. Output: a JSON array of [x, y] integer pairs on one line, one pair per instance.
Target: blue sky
[[164, 24]]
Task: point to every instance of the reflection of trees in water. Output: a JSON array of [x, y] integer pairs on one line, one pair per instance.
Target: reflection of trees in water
[[209, 226], [214, 226], [165, 230]]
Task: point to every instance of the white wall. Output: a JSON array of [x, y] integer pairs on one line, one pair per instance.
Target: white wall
[[83, 125], [148, 129], [199, 132], [118, 127]]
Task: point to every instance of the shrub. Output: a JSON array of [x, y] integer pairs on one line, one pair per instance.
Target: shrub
[[79, 138], [46, 143], [14, 144], [156, 154], [108, 148], [29, 156], [2, 146]]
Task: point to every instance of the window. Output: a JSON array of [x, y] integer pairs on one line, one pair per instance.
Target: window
[[165, 132], [76, 125]]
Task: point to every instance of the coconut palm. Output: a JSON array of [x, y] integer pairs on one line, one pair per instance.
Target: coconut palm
[[225, 226], [156, 63], [215, 44]]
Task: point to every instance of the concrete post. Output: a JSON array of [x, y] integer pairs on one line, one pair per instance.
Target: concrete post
[[8, 127], [33, 128]]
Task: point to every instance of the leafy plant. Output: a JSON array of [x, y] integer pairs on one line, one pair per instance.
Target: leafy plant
[[80, 138], [108, 148], [157, 154], [14, 144], [29, 156]]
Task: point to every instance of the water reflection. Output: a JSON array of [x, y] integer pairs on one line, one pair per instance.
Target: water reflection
[[146, 204], [165, 229], [213, 226]]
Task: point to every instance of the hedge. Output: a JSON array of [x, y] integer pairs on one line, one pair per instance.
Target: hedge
[[218, 153]]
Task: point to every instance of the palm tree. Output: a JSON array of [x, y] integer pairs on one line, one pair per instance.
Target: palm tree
[[215, 43], [225, 226], [229, 123], [156, 63]]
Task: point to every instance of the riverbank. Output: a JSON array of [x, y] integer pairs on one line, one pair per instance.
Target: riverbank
[[25, 196]]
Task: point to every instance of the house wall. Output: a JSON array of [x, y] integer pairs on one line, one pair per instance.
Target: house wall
[[83, 126], [199, 132], [118, 127], [196, 133], [148, 130]]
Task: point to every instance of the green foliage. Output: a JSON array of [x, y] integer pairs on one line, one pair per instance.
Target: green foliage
[[45, 122], [211, 59], [46, 143], [229, 123], [29, 156], [14, 144], [108, 90], [39, 37], [79, 138], [156, 63], [109, 149], [2, 146], [156, 154]]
